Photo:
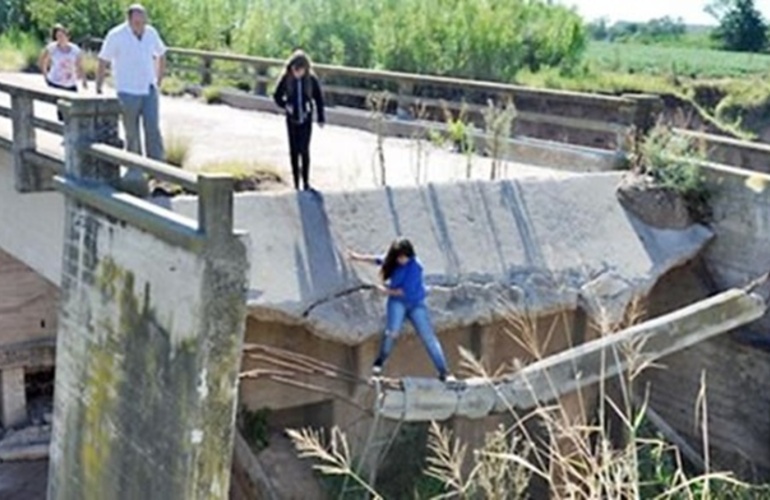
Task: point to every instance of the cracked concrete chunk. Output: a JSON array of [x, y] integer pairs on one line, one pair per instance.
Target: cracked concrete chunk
[[656, 205], [534, 244], [476, 399], [548, 379], [424, 400]]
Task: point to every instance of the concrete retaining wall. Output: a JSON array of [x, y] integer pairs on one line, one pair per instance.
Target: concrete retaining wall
[[735, 373], [741, 222], [732, 374], [147, 358]]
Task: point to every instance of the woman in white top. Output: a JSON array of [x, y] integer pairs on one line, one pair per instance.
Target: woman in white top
[[62, 62]]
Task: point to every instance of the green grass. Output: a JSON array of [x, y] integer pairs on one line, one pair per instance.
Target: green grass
[[173, 86], [177, 149], [241, 170], [674, 61], [90, 65], [212, 94], [18, 51], [730, 90], [254, 427], [607, 82]]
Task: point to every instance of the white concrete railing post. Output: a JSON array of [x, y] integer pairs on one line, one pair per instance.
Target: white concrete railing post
[[22, 117], [215, 205], [88, 121]]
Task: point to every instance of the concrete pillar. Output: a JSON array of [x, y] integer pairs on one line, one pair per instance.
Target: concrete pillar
[[205, 70], [215, 206], [89, 121], [646, 114], [14, 397], [150, 338], [261, 87], [22, 114], [405, 90]]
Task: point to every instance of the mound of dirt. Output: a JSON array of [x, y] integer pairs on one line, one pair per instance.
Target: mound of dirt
[[258, 181], [655, 205]]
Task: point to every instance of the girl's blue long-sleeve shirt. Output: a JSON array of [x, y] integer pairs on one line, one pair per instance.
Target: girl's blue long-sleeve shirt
[[408, 279]]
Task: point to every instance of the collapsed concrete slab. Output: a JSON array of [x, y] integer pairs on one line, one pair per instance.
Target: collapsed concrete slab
[[488, 248], [546, 380]]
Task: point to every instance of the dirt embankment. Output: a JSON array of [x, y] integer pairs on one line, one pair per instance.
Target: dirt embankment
[[716, 108]]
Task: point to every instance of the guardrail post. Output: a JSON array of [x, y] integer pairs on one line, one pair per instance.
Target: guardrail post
[[87, 121], [646, 113], [405, 89], [260, 88], [215, 205], [22, 115], [206, 63]]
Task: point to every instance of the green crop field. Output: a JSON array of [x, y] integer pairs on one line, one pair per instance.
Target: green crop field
[[685, 61]]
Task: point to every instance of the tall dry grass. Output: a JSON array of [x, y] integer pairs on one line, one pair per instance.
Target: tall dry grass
[[498, 126], [575, 455], [378, 103]]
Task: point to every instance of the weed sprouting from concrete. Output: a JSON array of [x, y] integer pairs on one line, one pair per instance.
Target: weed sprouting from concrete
[[498, 125], [90, 65], [673, 161], [212, 94], [459, 131], [378, 105], [254, 427], [420, 113], [173, 86], [243, 170], [177, 149]]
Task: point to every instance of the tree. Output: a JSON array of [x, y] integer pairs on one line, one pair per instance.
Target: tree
[[84, 18], [598, 29], [14, 15], [741, 26]]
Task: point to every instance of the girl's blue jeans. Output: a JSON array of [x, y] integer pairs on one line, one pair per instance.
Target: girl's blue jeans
[[397, 312]]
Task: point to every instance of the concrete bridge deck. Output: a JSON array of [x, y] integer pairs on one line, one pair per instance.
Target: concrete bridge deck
[[31, 218], [343, 158]]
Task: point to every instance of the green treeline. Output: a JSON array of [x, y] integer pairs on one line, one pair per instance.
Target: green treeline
[[484, 39]]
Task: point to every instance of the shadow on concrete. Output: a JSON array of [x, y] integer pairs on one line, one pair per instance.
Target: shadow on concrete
[[320, 264]]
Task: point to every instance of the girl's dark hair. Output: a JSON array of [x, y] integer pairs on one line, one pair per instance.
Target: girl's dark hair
[[56, 29], [298, 60], [399, 247]]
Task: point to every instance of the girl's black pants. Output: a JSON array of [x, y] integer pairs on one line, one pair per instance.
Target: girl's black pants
[[299, 150]]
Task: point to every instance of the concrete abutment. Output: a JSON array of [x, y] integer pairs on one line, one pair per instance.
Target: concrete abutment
[[150, 333]]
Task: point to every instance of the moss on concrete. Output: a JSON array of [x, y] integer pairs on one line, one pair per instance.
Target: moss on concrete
[[139, 400]]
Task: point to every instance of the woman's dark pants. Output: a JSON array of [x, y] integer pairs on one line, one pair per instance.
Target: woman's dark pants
[[299, 150], [60, 87]]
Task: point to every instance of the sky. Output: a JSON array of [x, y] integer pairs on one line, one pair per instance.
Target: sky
[[643, 10]]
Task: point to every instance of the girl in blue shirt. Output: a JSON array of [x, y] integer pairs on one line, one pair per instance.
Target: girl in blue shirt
[[401, 274]]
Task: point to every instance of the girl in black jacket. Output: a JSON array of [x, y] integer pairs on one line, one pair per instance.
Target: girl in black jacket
[[296, 91]]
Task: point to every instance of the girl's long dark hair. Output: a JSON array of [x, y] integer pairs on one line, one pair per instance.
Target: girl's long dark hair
[[299, 59], [400, 246]]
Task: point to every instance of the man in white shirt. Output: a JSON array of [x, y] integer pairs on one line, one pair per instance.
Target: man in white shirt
[[137, 55]]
